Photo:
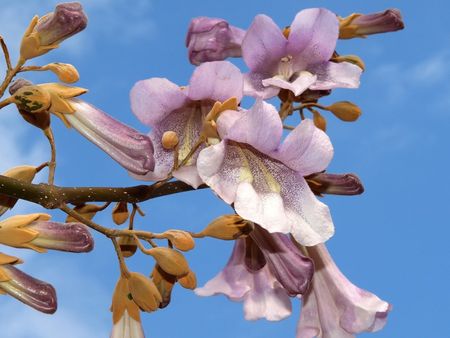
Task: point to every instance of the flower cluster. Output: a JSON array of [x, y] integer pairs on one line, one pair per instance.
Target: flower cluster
[[273, 175]]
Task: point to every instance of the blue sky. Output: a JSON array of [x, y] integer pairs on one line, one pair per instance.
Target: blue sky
[[392, 240]]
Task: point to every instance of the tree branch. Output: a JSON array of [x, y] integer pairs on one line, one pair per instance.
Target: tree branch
[[52, 197]]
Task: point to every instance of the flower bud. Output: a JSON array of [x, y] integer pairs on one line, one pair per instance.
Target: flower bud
[[32, 99], [335, 184], [23, 173], [319, 120], [35, 232], [189, 281], [169, 140], [345, 110], [68, 19], [64, 71], [360, 25], [228, 227], [144, 292], [120, 213], [181, 240], [128, 246], [212, 39], [17, 84], [171, 261], [88, 211], [31, 291], [122, 302], [164, 283]]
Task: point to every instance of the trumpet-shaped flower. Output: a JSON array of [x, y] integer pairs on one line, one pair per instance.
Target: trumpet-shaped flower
[[334, 307], [164, 106], [299, 62], [263, 179]]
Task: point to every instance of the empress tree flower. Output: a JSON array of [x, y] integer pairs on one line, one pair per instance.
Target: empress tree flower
[[263, 179], [361, 25], [31, 291], [164, 107], [36, 232], [263, 271], [298, 62], [212, 39], [334, 307], [131, 149]]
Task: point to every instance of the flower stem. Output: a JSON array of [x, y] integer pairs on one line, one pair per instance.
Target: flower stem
[[52, 164]]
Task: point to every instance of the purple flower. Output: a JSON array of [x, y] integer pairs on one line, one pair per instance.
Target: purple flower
[[130, 148], [361, 25], [298, 62], [263, 179], [335, 184], [68, 19], [212, 39], [335, 307], [31, 291], [263, 271], [164, 106]]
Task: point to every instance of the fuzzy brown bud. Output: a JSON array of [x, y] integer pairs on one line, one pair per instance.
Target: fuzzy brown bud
[[120, 213], [144, 292], [228, 227], [181, 240], [345, 110], [171, 261]]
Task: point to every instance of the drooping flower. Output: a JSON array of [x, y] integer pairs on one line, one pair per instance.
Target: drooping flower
[[164, 106], [361, 25], [36, 232], [30, 291], [334, 307], [263, 179], [213, 39], [299, 62]]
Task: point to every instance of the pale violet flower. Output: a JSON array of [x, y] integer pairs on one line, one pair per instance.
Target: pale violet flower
[[127, 327], [164, 106], [212, 39], [334, 307], [263, 272], [264, 178], [299, 62]]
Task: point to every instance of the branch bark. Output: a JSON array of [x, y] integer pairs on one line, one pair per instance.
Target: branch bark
[[53, 197]]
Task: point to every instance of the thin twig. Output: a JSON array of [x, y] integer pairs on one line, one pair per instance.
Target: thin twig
[[6, 54], [10, 75], [52, 164], [123, 267]]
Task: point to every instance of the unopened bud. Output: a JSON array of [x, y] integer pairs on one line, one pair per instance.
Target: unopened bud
[[169, 140], [128, 246], [65, 72], [335, 184], [17, 84], [181, 240], [189, 281], [171, 261], [228, 227], [144, 292], [164, 283], [360, 25], [319, 120], [32, 99], [24, 173], [345, 110], [120, 213], [356, 60], [88, 211]]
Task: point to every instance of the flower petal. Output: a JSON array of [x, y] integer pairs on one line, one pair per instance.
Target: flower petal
[[264, 45], [260, 127], [335, 307], [127, 327], [298, 86], [332, 75], [253, 86], [307, 149], [218, 81], [153, 99], [189, 175], [313, 36]]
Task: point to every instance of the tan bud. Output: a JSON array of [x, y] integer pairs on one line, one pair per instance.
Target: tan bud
[[169, 140], [14, 233], [228, 227], [59, 97], [120, 213], [170, 260], [122, 300], [65, 72], [32, 99], [356, 60], [180, 239], [189, 281], [164, 283], [128, 246], [345, 110], [319, 120], [86, 210], [144, 292]]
